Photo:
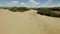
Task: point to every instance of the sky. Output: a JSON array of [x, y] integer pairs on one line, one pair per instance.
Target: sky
[[30, 3]]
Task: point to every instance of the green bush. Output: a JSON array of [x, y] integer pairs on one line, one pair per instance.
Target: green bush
[[20, 9], [14, 9], [48, 12], [44, 12], [56, 15]]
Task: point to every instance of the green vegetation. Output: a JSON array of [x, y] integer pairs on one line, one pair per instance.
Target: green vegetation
[[18, 9], [48, 12], [14, 9], [55, 9], [41, 11]]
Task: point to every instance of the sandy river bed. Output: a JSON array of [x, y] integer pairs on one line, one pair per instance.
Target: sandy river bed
[[27, 23]]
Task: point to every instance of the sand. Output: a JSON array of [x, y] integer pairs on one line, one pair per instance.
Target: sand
[[28, 22]]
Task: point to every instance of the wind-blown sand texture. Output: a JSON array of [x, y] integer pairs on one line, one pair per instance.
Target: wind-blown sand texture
[[28, 22]]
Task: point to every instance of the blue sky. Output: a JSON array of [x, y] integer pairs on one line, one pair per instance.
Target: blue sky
[[30, 3]]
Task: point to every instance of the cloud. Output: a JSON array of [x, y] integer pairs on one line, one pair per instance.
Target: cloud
[[55, 5], [4, 5], [38, 4], [22, 4], [47, 3], [14, 2], [33, 2], [10, 3]]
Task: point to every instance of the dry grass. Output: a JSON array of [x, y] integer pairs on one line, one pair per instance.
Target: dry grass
[[58, 12]]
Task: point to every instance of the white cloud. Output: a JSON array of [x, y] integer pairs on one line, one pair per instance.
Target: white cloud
[[4, 5], [55, 5], [36, 4], [49, 4], [15, 2], [33, 2], [22, 4], [46, 3], [10, 4]]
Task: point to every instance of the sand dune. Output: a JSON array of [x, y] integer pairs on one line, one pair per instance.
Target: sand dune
[[27, 23]]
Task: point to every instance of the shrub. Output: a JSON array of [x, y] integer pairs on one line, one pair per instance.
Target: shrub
[[20, 9], [14, 9], [44, 12], [48, 12]]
